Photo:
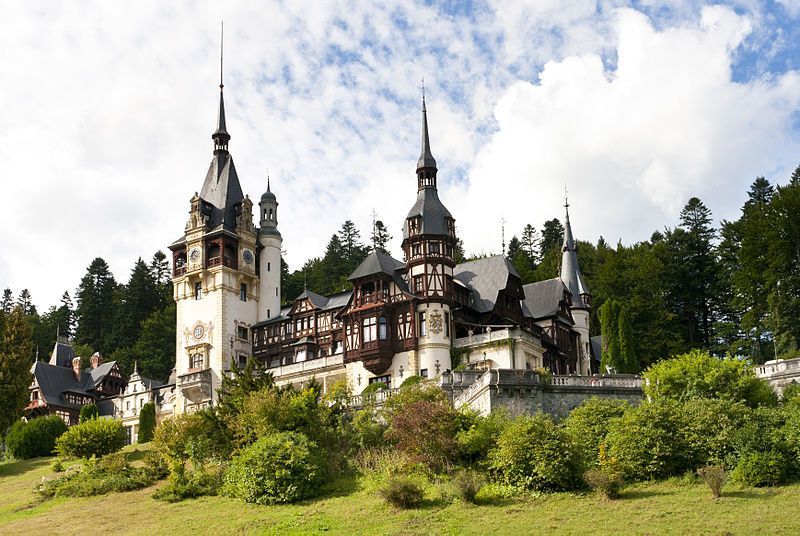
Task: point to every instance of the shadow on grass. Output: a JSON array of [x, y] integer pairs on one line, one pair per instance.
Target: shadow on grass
[[748, 494], [19, 467], [643, 493]]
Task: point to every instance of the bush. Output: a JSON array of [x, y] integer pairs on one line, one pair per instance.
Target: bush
[[88, 412], [533, 453], [402, 492], [368, 430], [189, 437], [421, 391], [479, 437], [410, 381], [34, 438], [714, 476], [606, 478], [790, 392], [155, 466], [96, 437], [425, 432], [57, 465], [200, 482], [278, 468], [97, 477], [764, 431], [760, 469], [648, 441], [467, 484], [589, 423], [373, 388], [147, 423], [710, 428], [698, 374]]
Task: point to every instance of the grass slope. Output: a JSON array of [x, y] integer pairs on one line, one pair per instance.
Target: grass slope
[[349, 506]]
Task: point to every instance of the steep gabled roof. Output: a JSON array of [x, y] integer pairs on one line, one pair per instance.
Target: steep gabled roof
[[62, 354], [93, 376], [316, 300], [337, 301], [222, 192], [53, 381], [542, 298], [375, 263], [486, 278], [433, 212]]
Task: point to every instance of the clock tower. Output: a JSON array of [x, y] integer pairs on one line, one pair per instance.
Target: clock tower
[[215, 282]]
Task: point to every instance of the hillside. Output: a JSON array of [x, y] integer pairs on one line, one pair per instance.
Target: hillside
[[350, 506]]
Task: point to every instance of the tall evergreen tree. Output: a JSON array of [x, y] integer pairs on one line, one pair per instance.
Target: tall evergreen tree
[[530, 242], [96, 307], [66, 316], [140, 297], [350, 240], [16, 348], [155, 347], [7, 302], [609, 327], [160, 273], [552, 236], [627, 357], [380, 236], [26, 302]]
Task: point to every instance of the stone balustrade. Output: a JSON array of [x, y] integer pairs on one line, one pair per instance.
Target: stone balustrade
[[311, 364]]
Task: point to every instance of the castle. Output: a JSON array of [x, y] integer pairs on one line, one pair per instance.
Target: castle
[[423, 316]]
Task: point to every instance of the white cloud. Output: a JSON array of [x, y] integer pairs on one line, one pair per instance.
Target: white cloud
[[108, 114]]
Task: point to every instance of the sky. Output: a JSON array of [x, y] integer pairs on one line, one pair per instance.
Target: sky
[[634, 107]]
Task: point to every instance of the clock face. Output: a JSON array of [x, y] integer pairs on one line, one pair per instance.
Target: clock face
[[247, 255], [194, 255], [198, 332]]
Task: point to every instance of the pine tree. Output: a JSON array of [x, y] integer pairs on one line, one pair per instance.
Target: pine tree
[[160, 274], [514, 247], [155, 347], [140, 297], [88, 412], [26, 303], [147, 423], [96, 306], [66, 316], [794, 180], [627, 357], [7, 303], [350, 240], [380, 237], [16, 348], [530, 243], [552, 236]]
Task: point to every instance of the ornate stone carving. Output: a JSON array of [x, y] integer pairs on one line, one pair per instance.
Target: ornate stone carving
[[436, 323]]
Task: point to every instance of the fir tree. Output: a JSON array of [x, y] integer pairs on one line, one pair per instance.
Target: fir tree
[[609, 326], [7, 303], [66, 316], [147, 423], [16, 349], [627, 357], [552, 236], [96, 306], [380, 237], [26, 303], [530, 243], [88, 412]]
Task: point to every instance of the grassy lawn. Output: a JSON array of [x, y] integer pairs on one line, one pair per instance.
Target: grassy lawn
[[350, 506]]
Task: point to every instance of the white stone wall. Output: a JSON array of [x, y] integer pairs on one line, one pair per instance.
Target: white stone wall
[[433, 349], [269, 301]]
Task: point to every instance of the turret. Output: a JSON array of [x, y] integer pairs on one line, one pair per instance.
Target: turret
[[271, 242], [579, 295]]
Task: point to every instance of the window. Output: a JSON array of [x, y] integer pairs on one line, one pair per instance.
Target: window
[[447, 325], [34, 395], [336, 347], [383, 328], [135, 387], [368, 329], [198, 290], [141, 403], [128, 404], [387, 379], [276, 291], [423, 373], [243, 292], [271, 215], [423, 327], [197, 361], [415, 250], [241, 361], [419, 284], [241, 332], [268, 267], [433, 248], [268, 314]]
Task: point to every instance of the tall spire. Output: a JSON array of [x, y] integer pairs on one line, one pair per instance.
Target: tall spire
[[221, 136], [570, 269], [426, 165]]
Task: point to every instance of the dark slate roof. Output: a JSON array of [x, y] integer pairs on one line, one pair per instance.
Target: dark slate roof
[[53, 381], [542, 298], [486, 277], [222, 192], [433, 212], [62, 354], [316, 300], [337, 301], [426, 159], [93, 376], [268, 195], [570, 269], [376, 262]]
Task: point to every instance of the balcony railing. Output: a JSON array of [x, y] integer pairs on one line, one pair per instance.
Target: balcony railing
[[311, 364], [195, 384], [787, 366]]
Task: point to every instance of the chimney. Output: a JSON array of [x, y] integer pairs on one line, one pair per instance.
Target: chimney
[[76, 367], [96, 360]]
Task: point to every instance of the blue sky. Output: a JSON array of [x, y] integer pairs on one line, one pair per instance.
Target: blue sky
[[635, 107]]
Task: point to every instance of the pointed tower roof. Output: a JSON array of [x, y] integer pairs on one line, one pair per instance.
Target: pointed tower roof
[[221, 136], [426, 159], [570, 269], [268, 195]]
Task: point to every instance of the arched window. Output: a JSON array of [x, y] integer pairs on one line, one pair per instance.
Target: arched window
[[271, 215]]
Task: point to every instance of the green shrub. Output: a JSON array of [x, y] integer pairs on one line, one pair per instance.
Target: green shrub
[[199, 482], [278, 468], [763, 431], [88, 412], [477, 438], [373, 388], [698, 374], [147, 423], [589, 423], [790, 435], [760, 469], [402, 492], [410, 381], [97, 477], [533, 453], [714, 476], [57, 465], [34, 438], [155, 465], [425, 432], [467, 484], [710, 428], [96, 437], [648, 441], [604, 482], [421, 391], [368, 429], [189, 437], [790, 392]]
